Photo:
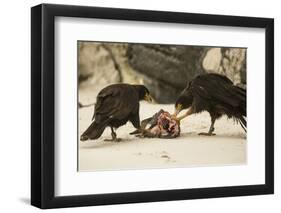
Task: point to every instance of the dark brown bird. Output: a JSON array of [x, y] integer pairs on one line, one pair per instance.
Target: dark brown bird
[[216, 94], [115, 106]]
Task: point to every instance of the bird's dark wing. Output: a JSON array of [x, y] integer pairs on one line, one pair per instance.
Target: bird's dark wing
[[103, 99], [218, 89], [115, 103], [135, 118]]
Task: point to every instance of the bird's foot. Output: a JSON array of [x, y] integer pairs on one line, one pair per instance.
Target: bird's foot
[[113, 140], [177, 120], [117, 140], [137, 131], [206, 134], [146, 134]]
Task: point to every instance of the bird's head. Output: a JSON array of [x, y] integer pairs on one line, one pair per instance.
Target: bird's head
[[178, 107], [143, 93], [183, 102]]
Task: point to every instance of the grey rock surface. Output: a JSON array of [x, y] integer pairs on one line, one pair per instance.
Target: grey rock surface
[[164, 69]]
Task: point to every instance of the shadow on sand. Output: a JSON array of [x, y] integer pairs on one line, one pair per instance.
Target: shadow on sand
[[196, 134]]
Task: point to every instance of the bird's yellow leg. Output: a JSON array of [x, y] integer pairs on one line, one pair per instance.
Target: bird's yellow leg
[[188, 112], [178, 108], [114, 136], [211, 130]]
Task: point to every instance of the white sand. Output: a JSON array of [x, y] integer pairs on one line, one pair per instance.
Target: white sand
[[228, 147]]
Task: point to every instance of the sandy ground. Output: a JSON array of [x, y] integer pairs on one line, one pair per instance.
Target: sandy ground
[[228, 147]]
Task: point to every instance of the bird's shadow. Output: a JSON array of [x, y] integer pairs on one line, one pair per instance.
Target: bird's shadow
[[196, 134], [95, 144], [187, 134], [237, 136]]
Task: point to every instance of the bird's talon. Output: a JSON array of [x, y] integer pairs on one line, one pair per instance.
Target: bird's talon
[[113, 140], [137, 131], [206, 134], [177, 120]]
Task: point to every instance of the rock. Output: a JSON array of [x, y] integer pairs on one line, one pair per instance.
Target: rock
[[230, 62], [212, 60], [166, 69], [95, 65]]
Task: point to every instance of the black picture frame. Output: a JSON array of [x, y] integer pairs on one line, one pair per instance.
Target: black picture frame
[[43, 105]]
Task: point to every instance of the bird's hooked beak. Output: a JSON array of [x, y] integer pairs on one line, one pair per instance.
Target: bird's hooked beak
[[148, 97], [178, 108]]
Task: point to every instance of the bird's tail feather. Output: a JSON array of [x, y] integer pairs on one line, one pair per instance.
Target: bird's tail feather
[[243, 123], [241, 95], [95, 130], [241, 110]]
